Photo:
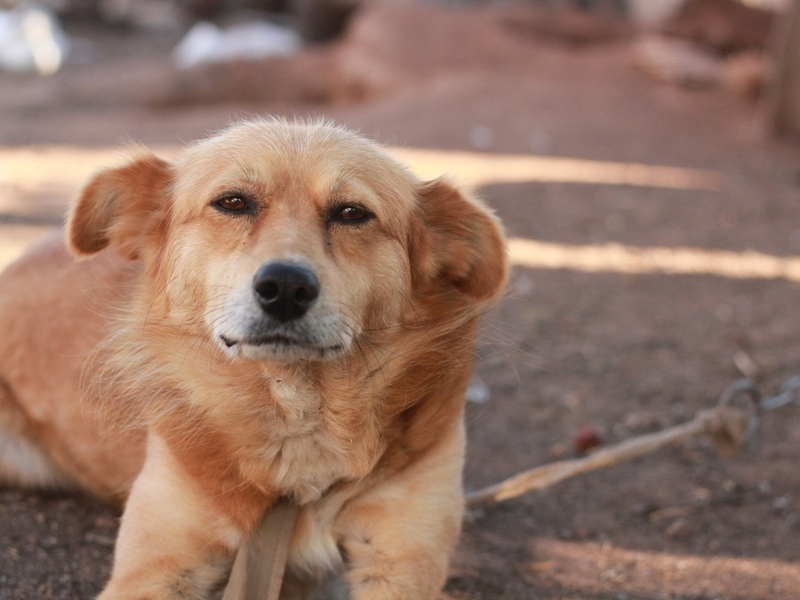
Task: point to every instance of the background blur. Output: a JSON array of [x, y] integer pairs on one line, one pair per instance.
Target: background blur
[[643, 155]]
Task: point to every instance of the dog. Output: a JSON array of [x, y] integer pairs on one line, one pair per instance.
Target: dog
[[282, 312]]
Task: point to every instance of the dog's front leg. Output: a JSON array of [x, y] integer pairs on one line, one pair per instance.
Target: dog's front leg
[[398, 537], [174, 542]]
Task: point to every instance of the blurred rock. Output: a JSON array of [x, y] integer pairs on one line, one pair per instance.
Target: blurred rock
[[252, 41], [389, 44], [781, 503], [32, 41], [722, 26], [676, 61], [478, 392]]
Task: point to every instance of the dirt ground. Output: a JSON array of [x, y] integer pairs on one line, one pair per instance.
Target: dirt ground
[[625, 352]]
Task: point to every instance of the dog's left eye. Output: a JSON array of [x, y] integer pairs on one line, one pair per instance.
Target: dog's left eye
[[232, 204], [350, 213]]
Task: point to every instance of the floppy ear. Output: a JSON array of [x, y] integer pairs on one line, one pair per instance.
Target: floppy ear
[[119, 207], [461, 243]]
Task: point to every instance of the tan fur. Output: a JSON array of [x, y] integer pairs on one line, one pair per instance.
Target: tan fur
[[200, 423]]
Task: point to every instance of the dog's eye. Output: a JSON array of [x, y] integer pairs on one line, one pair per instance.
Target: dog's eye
[[350, 213], [232, 204]]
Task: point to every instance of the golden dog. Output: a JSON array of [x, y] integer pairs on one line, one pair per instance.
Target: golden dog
[[284, 311]]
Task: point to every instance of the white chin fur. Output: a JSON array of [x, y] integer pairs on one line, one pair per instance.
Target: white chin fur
[[246, 333]]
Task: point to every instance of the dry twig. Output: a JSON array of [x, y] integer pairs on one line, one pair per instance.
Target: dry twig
[[726, 426]]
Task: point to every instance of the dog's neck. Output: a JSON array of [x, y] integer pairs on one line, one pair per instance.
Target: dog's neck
[[298, 429], [292, 429]]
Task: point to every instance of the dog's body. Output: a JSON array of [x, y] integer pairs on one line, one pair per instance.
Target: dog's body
[[284, 311]]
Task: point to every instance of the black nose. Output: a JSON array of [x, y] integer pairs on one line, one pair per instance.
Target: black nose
[[285, 291]]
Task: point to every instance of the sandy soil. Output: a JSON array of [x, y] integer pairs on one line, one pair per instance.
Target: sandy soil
[[570, 344]]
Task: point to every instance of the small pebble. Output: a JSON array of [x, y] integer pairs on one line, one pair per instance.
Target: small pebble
[[478, 392], [585, 439], [781, 503]]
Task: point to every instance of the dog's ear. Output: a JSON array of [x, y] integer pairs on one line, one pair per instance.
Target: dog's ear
[[460, 244], [119, 207]]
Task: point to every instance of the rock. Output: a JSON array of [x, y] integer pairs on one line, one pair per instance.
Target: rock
[[255, 40], [32, 41], [676, 61], [478, 392], [585, 439], [722, 26]]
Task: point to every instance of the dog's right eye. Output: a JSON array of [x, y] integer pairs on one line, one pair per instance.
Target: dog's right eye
[[232, 204]]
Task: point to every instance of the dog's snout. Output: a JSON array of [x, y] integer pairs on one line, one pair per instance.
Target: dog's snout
[[285, 291]]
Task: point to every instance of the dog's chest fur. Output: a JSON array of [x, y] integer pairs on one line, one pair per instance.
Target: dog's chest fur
[[307, 443]]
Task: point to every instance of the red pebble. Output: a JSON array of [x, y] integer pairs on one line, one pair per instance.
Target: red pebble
[[585, 439]]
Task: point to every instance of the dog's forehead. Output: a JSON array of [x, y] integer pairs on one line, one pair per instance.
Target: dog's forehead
[[320, 158]]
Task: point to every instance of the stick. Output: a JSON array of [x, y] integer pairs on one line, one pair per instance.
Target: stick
[[726, 426]]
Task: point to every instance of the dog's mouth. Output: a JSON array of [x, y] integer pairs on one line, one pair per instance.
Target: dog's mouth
[[281, 346]]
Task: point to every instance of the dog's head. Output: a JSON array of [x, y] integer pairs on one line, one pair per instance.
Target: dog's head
[[287, 241]]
